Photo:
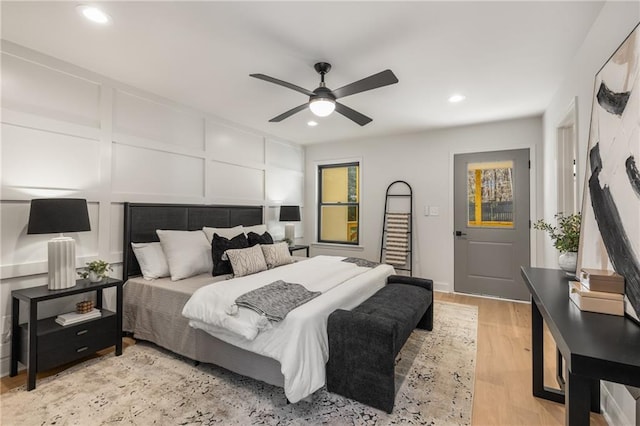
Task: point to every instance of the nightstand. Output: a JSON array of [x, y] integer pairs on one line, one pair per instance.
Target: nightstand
[[298, 247], [44, 344]]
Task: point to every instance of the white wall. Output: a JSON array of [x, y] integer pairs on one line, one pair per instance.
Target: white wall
[[613, 25], [69, 132], [425, 161]]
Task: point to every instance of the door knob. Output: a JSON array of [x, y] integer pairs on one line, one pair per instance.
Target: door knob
[[459, 233]]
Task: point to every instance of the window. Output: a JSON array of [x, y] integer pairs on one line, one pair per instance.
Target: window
[[490, 194], [339, 203]]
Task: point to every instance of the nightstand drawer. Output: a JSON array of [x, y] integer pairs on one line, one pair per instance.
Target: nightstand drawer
[[57, 335], [58, 345], [75, 348]]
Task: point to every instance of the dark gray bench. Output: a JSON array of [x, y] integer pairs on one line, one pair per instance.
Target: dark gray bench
[[364, 342]]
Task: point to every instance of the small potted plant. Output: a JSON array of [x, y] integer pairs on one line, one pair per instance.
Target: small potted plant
[[96, 271], [566, 238]]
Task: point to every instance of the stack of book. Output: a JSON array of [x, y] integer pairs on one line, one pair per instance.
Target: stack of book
[[74, 317], [599, 291]]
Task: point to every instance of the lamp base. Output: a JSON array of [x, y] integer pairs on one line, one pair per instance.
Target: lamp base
[[62, 263], [290, 233]]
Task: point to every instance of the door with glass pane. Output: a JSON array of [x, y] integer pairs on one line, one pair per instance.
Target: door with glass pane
[[491, 220]]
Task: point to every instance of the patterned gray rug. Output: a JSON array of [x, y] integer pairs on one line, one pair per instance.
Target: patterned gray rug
[[146, 385]]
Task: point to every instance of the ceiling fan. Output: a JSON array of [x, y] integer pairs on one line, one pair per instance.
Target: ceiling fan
[[322, 101]]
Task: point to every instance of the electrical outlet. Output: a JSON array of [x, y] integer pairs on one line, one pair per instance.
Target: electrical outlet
[[434, 211]]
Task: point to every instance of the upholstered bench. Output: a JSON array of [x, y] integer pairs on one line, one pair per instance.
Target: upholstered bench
[[364, 342]]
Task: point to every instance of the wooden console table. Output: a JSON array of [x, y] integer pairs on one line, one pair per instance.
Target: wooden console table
[[594, 346]]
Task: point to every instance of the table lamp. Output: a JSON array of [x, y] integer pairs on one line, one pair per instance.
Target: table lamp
[[290, 214], [58, 215]]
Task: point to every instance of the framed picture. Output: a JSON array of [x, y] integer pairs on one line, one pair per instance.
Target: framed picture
[[610, 233]]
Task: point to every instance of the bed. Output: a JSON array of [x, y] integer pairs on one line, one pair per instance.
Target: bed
[[153, 309]]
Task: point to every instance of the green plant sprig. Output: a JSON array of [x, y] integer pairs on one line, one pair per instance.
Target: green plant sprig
[[565, 236], [100, 267]]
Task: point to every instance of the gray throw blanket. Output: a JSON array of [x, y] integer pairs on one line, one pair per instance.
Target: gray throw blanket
[[361, 262], [277, 299]]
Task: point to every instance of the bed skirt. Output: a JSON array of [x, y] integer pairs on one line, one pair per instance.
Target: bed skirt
[[152, 312]]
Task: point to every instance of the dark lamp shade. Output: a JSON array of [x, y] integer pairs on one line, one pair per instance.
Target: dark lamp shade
[[57, 215], [289, 214]]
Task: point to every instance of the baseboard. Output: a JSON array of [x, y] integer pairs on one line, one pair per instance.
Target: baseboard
[[446, 289], [441, 287], [5, 366]]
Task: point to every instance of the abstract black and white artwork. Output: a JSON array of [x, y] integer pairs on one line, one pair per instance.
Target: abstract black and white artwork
[[610, 234]]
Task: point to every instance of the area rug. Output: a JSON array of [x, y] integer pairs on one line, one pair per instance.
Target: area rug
[[147, 385]]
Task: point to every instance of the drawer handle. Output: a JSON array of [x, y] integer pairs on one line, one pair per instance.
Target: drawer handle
[[81, 332], [82, 349]]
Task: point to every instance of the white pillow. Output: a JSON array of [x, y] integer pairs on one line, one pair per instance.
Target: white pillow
[[276, 254], [188, 253], [246, 261], [152, 261], [258, 229], [228, 233]]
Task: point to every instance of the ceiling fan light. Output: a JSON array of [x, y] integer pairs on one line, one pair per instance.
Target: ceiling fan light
[[94, 14], [322, 107]]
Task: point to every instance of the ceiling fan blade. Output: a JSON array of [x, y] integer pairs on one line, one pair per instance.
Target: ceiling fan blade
[[383, 78], [288, 113], [352, 114], [282, 83]]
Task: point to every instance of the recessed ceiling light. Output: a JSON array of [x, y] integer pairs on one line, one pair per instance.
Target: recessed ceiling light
[[457, 98], [312, 123], [94, 14]]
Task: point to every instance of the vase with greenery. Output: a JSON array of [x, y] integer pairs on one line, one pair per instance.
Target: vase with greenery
[[96, 270], [565, 236]]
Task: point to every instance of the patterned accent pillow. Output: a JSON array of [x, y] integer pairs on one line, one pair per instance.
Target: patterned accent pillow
[[277, 254], [246, 261], [219, 245], [259, 239]]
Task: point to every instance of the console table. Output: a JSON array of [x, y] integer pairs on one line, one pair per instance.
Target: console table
[[594, 346]]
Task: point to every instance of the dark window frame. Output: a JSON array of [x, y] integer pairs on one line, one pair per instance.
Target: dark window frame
[[322, 167]]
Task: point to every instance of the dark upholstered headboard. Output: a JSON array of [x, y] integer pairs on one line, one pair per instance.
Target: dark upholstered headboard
[[142, 219]]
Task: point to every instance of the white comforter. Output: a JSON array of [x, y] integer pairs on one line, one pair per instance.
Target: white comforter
[[299, 342]]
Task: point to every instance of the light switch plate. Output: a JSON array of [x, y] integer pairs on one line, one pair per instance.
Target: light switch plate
[[434, 211], [426, 210]]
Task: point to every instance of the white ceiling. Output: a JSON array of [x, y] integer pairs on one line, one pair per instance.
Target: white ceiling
[[508, 58]]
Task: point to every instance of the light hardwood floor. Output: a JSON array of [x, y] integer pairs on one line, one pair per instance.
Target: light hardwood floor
[[502, 393]]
